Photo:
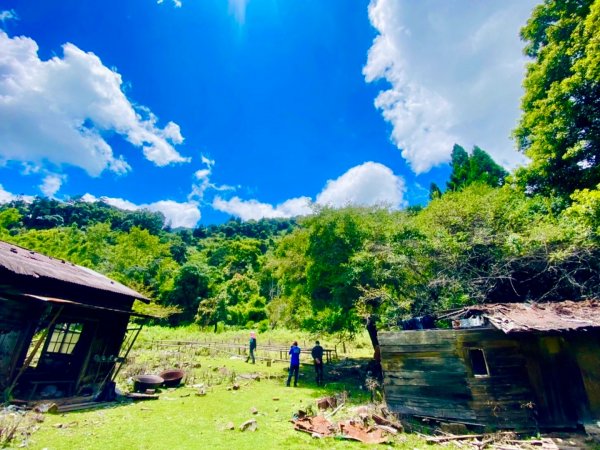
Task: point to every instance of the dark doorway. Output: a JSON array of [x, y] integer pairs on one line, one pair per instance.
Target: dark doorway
[[556, 379]]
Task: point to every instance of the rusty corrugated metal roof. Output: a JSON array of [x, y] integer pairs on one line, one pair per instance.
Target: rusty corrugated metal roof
[[29, 263], [550, 316]]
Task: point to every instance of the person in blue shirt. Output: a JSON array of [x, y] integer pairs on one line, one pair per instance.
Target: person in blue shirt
[[294, 363]]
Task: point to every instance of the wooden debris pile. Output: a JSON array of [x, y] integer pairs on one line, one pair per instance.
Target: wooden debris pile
[[376, 425], [367, 427], [507, 440], [317, 426]]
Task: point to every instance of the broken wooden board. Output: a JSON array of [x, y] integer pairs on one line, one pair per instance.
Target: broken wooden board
[[84, 405], [140, 396]]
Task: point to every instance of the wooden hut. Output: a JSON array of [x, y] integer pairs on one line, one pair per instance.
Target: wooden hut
[[62, 326], [511, 366]]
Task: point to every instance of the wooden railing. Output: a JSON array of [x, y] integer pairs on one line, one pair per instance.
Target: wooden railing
[[233, 348]]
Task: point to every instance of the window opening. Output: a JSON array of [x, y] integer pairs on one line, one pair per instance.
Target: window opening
[[478, 363], [64, 338]]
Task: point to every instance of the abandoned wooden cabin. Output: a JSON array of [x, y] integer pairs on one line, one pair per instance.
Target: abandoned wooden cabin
[[62, 326], [513, 366]]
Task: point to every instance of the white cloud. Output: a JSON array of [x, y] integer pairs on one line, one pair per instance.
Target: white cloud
[[9, 14], [209, 162], [255, 210], [176, 3], [6, 197], [119, 203], [370, 184], [203, 182], [51, 184], [29, 168], [455, 70], [177, 214], [57, 110], [186, 214]]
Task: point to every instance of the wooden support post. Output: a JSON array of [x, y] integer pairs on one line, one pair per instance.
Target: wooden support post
[[8, 390]]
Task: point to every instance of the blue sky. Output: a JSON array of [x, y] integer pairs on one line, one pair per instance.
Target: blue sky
[[206, 109]]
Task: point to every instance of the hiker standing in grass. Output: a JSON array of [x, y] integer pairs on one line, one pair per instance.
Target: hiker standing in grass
[[252, 347], [294, 363], [317, 355]]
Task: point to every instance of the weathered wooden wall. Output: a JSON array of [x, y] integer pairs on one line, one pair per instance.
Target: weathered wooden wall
[[586, 349], [17, 325], [105, 340], [93, 357], [428, 373], [89, 364]]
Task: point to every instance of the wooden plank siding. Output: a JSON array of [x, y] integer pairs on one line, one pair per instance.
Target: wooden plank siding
[[429, 373], [586, 348], [563, 372]]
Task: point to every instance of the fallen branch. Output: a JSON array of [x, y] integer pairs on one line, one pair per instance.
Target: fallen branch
[[334, 412], [387, 429], [388, 423], [483, 443], [452, 437], [462, 437]]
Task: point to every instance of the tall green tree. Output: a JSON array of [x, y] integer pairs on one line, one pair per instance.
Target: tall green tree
[[559, 129], [9, 217], [460, 168], [343, 269], [434, 191], [191, 287], [483, 169], [478, 167]]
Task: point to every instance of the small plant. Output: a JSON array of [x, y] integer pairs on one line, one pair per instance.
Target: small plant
[[372, 385], [16, 423], [9, 425]]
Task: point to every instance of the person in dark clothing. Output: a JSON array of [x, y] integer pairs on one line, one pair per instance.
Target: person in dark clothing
[[294, 363], [317, 355], [252, 347]]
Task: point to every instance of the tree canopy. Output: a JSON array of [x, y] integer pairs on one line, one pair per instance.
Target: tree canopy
[[559, 129], [478, 167]]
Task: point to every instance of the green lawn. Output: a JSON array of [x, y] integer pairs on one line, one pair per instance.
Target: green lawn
[[182, 420]]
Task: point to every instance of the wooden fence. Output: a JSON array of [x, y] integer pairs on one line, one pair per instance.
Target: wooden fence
[[264, 352]]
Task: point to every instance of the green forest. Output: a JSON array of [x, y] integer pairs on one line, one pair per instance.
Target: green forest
[[486, 236]]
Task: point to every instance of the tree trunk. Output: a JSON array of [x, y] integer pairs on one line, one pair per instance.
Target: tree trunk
[[372, 330]]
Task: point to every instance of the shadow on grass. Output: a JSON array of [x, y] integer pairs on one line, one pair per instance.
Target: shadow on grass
[[346, 376]]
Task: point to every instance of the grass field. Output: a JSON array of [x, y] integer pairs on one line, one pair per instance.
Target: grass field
[[180, 419]]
